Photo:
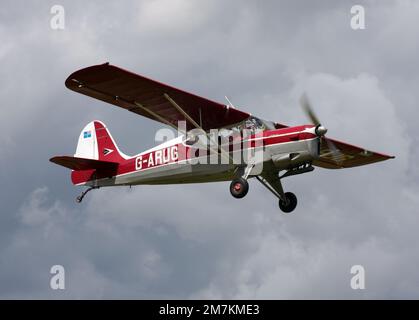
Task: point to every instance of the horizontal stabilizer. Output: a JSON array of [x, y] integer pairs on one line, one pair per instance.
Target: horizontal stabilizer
[[75, 163]]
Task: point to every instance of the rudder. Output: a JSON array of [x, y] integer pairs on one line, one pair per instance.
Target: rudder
[[95, 142]]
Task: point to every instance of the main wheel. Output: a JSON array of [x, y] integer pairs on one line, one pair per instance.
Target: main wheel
[[289, 203], [239, 188]]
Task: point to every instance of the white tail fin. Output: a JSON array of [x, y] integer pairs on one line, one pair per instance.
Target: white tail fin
[[95, 142], [87, 144]]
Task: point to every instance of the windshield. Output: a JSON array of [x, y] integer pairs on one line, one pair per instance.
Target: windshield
[[253, 123]]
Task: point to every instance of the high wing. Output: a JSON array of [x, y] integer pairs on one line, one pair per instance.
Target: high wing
[[348, 156], [152, 99]]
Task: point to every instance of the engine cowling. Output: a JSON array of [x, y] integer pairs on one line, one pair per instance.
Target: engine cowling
[[291, 160]]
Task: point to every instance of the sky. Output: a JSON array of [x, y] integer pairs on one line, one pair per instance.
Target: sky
[[196, 241]]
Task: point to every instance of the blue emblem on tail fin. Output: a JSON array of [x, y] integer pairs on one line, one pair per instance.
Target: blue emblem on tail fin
[[87, 134]]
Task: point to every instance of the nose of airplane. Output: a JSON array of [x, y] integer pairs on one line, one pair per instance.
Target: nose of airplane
[[320, 130]]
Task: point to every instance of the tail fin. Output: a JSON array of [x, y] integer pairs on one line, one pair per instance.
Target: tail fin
[[95, 142], [97, 156]]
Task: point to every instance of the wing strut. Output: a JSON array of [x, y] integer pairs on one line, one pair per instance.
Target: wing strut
[[155, 115], [194, 123], [178, 108]]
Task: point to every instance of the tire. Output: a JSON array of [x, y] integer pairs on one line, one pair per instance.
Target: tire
[[239, 188], [290, 203]]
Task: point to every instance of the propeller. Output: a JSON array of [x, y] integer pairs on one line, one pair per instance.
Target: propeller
[[319, 130]]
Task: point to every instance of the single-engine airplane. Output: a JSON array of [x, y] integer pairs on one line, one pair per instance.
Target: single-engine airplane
[[283, 151]]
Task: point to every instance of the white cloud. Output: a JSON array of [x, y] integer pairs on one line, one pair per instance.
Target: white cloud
[[34, 211]]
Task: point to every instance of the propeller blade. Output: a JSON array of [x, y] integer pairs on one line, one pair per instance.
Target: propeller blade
[[308, 110], [320, 130], [337, 155]]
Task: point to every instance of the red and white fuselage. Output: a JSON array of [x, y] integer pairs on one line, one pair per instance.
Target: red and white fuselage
[[176, 161]]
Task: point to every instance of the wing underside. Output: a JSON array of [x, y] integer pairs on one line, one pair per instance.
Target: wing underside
[[348, 156], [152, 99]]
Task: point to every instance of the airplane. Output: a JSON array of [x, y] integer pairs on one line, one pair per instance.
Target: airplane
[[283, 151]]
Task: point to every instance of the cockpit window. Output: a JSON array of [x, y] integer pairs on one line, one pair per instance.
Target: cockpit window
[[253, 123]]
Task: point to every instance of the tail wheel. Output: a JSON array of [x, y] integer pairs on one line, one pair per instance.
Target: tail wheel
[[239, 188], [288, 204]]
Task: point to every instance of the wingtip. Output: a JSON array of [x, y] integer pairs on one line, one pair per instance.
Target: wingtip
[[55, 159], [71, 79]]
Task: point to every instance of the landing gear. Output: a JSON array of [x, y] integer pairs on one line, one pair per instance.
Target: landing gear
[[288, 202], [80, 197], [239, 188]]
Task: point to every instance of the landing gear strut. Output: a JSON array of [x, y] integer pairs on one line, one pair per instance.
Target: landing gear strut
[[287, 200], [80, 197]]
